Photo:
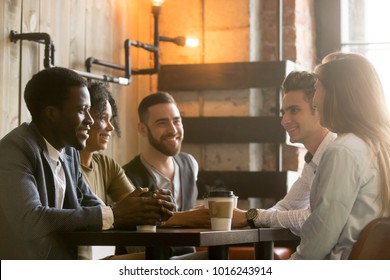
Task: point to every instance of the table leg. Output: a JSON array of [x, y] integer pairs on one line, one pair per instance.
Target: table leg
[[157, 253], [218, 252], [264, 250]]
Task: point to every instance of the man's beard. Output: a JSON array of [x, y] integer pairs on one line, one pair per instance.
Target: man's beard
[[159, 146]]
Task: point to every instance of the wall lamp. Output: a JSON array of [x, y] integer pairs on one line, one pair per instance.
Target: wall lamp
[[154, 48]]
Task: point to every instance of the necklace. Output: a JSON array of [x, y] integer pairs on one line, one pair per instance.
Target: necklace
[[168, 174]]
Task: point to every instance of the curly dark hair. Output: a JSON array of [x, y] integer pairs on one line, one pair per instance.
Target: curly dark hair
[[99, 94]]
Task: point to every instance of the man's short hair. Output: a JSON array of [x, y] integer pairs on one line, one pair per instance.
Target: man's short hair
[[300, 80], [50, 87], [150, 100]]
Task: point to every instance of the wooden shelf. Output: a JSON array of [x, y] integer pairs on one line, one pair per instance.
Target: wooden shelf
[[246, 183], [236, 75], [205, 130]]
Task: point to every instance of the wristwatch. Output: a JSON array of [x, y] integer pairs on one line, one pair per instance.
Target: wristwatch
[[251, 215]]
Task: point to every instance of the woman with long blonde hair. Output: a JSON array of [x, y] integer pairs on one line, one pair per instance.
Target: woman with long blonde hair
[[352, 182]]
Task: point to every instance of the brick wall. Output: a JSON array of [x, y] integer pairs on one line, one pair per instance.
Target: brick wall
[[298, 42], [298, 31]]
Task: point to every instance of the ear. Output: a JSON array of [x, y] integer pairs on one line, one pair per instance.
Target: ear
[[51, 113], [142, 129]]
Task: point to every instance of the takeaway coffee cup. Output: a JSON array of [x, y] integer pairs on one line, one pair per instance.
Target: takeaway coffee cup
[[206, 201], [221, 205]]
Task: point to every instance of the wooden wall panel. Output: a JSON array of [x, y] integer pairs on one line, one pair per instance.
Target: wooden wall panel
[[136, 26], [31, 61], [126, 145], [99, 32], [77, 28], [58, 27], [10, 17]]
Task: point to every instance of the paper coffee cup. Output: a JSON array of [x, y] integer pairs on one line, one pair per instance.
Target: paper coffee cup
[[221, 209], [235, 201]]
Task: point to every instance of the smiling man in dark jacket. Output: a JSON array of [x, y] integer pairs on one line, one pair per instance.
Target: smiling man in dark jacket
[[42, 190]]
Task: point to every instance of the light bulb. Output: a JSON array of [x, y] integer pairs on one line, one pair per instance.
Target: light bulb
[[192, 42], [157, 3]]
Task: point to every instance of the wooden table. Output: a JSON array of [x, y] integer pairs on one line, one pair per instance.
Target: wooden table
[[267, 237], [157, 243]]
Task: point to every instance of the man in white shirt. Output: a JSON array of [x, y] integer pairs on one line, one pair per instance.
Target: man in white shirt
[[302, 123]]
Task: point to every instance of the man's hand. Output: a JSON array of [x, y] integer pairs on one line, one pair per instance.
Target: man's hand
[[239, 218], [168, 206], [140, 192], [143, 208], [197, 217]]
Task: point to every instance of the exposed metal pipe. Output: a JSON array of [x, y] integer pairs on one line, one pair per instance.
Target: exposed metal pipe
[[156, 57], [279, 153], [42, 38], [156, 13], [280, 30], [180, 40], [92, 60], [127, 67], [148, 47], [48, 60], [106, 78]]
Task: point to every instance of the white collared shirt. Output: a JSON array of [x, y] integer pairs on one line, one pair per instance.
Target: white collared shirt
[[58, 172], [293, 210], [344, 198], [55, 157]]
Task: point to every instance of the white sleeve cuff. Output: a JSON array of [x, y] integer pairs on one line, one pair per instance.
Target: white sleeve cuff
[[108, 217]]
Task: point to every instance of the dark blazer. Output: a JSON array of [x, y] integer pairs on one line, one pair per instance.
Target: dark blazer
[[28, 218]]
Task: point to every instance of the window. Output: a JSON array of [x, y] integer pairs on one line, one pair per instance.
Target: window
[[365, 29]]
